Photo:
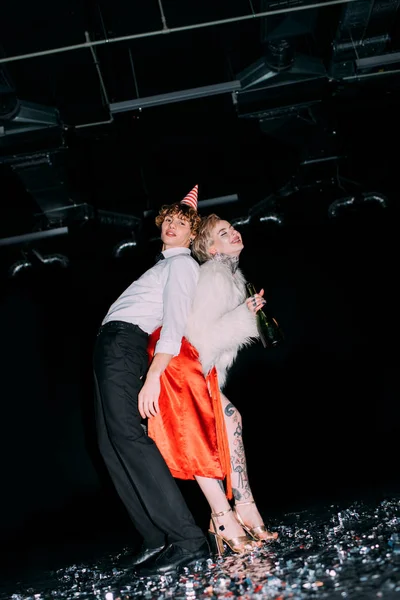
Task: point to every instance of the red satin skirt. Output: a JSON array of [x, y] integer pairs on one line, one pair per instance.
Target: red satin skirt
[[189, 429]]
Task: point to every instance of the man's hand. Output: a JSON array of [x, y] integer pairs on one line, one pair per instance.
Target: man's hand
[[149, 395]]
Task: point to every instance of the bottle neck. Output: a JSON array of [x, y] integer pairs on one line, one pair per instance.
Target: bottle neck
[[250, 289]]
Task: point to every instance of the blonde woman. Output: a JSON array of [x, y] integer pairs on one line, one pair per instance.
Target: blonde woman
[[197, 429]]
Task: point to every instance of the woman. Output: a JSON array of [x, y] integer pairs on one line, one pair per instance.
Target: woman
[[198, 430]]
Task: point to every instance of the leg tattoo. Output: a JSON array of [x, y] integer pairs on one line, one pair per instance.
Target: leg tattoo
[[221, 485], [229, 409], [240, 483]]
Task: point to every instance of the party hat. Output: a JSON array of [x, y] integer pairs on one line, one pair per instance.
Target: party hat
[[191, 198]]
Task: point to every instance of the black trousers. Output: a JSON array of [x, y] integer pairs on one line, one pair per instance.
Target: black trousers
[[140, 475]]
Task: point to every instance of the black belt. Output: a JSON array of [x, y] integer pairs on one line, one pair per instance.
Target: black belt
[[117, 325]]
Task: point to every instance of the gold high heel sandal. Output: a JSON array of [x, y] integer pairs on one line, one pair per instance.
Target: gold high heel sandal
[[254, 532], [239, 545]]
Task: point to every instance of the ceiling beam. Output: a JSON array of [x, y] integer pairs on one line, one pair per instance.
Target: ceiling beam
[[179, 96]]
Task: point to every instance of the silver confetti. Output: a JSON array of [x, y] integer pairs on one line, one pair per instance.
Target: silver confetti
[[347, 553]]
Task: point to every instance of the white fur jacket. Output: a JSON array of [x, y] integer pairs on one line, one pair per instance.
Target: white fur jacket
[[220, 322]]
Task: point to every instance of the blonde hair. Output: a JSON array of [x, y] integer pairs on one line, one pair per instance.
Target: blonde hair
[[186, 211], [204, 239]]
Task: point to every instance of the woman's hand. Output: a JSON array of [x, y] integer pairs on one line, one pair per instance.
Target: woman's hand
[[254, 303]]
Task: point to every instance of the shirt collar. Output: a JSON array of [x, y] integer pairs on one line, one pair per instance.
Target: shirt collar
[[174, 251]]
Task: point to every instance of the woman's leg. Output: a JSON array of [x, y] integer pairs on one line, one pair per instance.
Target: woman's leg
[[225, 524], [242, 493]]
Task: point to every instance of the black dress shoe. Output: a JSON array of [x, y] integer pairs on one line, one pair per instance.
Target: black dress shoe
[[143, 555], [173, 559]]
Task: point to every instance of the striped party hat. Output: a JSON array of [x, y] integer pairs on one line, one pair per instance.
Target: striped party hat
[[191, 198]]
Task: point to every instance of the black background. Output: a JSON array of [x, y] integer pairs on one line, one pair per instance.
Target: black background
[[321, 416], [320, 412]]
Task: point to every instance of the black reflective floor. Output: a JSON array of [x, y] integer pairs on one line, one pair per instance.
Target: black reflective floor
[[350, 549]]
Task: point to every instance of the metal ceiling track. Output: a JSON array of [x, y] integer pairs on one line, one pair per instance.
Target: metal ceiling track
[[165, 30]]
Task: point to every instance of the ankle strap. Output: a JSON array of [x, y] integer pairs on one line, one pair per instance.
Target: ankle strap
[[222, 513], [243, 503]]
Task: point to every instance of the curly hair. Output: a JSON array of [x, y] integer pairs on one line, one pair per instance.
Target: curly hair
[[204, 239], [184, 210]]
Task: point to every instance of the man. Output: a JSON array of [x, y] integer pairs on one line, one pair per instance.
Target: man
[[127, 388]]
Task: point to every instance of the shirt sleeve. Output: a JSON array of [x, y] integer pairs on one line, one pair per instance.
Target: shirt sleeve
[[178, 295]]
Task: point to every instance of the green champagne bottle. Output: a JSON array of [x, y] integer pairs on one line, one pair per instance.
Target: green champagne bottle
[[268, 329]]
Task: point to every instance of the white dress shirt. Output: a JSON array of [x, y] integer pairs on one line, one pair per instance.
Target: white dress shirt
[[163, 295]]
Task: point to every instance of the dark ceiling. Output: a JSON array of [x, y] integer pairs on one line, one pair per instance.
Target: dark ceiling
[[108, 109]]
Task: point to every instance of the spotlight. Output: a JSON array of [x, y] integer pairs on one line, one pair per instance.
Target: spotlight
[[19, 266], [120, 248], [240, 221], [272, 218], [52, 259], [56, 259], [28, 261], [342, 205]]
